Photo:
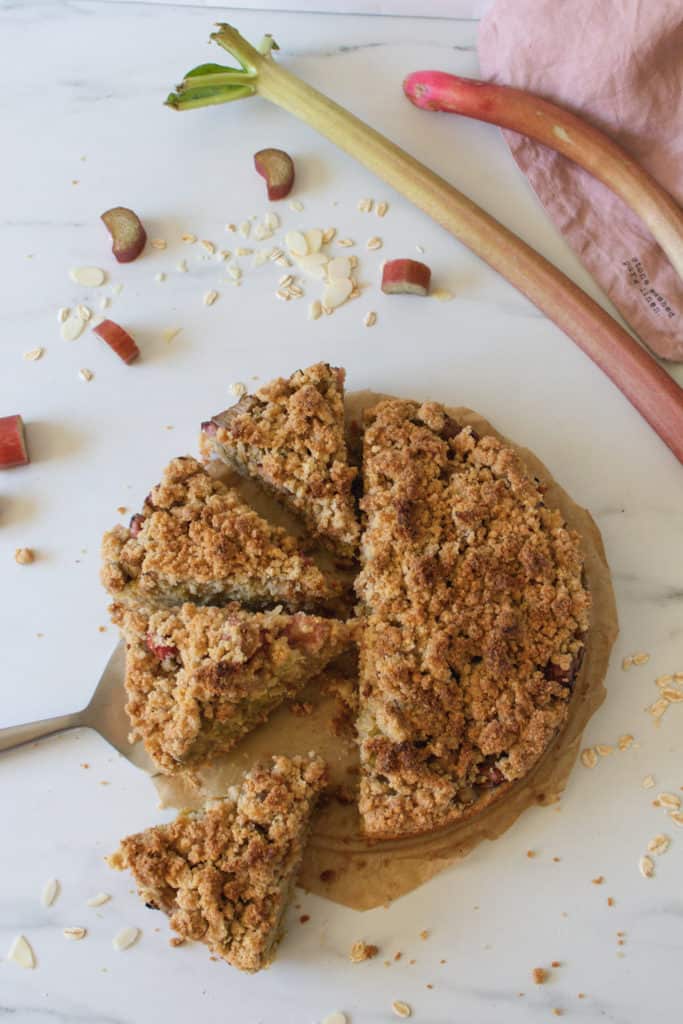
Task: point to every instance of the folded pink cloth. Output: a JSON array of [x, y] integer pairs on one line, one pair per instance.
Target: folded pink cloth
[[619, 64]]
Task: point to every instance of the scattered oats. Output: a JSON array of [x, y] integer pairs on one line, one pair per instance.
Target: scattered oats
[[20, 953], [640, 658], [441, 295], [160, 276], [238, 389], [276, 254], [125, 938], [223, 254], [337, 292], [88, 277], [245, 228], [589, 758], [401, 1009], [353, 261], [659, 708], [315, 310], [625, 741], [72, 328], [659, 844], [539, 975], [24, 556], [648, 782], [335, 1018], [209, 246], [50, 892], [86, 375], [419, 248], [669, 801], [328, 235], [339, 267], [188, 239], [104, 302], [296, 206], [673, 696], [210, 297], [314, 239], [365, 205], [63, 314], [83, 312], [234, 271], [182, 267], [158, 243], [677, 818], [664, 680], [381, 209], [74, 933], [296, 243], [271, 220], [370, 319], [282, 261], [604, 749], [243, 252], [296, 291], [646, 866], [169, 333], [345, 243], [361, 951], [285, 280], [373, 243], [231, 227], [34, 354]]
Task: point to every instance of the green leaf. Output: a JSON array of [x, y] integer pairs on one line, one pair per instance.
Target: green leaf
[[208, 95], [208, 69]]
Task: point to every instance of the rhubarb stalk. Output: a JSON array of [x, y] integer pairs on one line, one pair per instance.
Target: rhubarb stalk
[[565, 132], [650, 389]]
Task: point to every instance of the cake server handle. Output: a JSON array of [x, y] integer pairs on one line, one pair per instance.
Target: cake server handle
[[17, 735]]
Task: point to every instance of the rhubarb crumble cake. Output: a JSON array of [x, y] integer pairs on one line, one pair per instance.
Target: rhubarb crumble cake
[[289, 436], [196, 540], [475, 617], [199, 679], [224, 875]]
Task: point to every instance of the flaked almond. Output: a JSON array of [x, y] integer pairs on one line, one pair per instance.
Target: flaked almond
[[640, 658], [665, 679], [74, 933], [314, 239], [271, 220], [21, 953], [339, 267], [160, 276], [34, 354], [337, 292], [87, 277], [659, 844], [625, 741], [604, 749], [672, 695], [646, 866], [314, 265], [210, 297], [245, 228], [50, 892], [243, 252], [232, 228], [296, 243], [365, 205], [659, 708], [24, 556], [125, 938], [238, 389], [169, 333], [261, 256], [335, 1018], [677, 818], [72, 328], [234, 271], [345, 243], [98, 900], [104, 302], [315, 310], [182, 267]]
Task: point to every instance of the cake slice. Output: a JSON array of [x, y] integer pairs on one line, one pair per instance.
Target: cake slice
[[476, 615], [224, 875], [196, 540], [198, 679], [289, 436]]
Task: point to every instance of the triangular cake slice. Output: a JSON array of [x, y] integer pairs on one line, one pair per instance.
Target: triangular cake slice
[[197, 540], [199, 679], [289, 436], [475, 620], [224, 875]]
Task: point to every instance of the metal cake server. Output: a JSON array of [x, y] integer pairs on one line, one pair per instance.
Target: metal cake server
[[105, 713]]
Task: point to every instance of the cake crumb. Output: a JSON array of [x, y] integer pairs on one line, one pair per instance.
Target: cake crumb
[[539, 975], [530, 854], [85, 765], [304, 918], [611, 902], [424, 934], [557, 1011], [101, 629], [122, 510], [397, 956], [599, 880], [429, 986], [555, 963], [625, 741], [24, 556], [176, 940], [328, 875], [361, 951]]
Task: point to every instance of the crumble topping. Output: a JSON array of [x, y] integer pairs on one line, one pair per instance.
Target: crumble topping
[[198, 679], [196, 540], [475, 617], [289, 436], [224, 875]]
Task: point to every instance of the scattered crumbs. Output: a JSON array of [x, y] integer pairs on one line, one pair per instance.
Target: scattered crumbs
[[158, 243], [304, 918], [210, 297], [75, 181], [589, 758], [539, 975], [424, 934], [370, 319], [231, 227], [34, 354], [335, 1018], [103, 782], [176, 940], [121, 509], [361, 951], [209, 246], [581, 995], [429, 986], [381, 209], [238, 389], [626, 663], [557, 1011], [625, 741], [555, 963], [86, 375], [556, 860], [611, 902], [296, 206], [648, 782], [443, 961], [411, 962], [401, 1009], [646, 866], [419, 248], [74, 933], [182, 267], [85, 764], [104, 302], [531, 853], [169, 333], [599, 880], [640, 658], [328, 235], [24, 556], [387, 963], [604, 749], [397, 956], [659, 844], [188, 239], [160, 276], [441, 295]]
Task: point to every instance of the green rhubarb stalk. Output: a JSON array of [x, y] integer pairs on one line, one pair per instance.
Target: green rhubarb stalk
[[648, 387]]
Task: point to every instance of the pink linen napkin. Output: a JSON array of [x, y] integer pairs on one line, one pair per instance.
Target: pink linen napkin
[[619, 63]]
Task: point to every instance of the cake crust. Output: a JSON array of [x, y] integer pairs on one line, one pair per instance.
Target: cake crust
[[475, 617], [224, 875]]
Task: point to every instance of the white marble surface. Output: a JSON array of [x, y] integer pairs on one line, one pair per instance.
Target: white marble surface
[[82, 101]]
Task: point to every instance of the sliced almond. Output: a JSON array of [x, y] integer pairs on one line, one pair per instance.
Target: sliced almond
[[296, 243], [271, 220], [34, 354], [673, 696], [87, 277], [365, 205], [99, 899], [72, 328], [104, 302], [315, 310], [589, 757], [238, 389], [604, 749], [337, 292], [74, 933], [401, 1009], [50, 892], [314, 264], [125, 938], [648, 782], [677, 818], [441, 295], [339, 267], [245, 228], [314, 239], [345, 243], [234, 271], [261, 256], [20, 953]]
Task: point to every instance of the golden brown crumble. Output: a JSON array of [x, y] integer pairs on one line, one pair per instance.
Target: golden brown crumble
[[475, 617], [540, 975], [361, 951], [196, 540], [289, 436], [224, 875], [24, 556], [198, 679]]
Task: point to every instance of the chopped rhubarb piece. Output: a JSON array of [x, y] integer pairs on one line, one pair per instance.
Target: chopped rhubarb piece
[[118, 339], [135, 525], [12, 442], [405, 277], [209, 427], [277, 167], [128, 234], [162, 651]]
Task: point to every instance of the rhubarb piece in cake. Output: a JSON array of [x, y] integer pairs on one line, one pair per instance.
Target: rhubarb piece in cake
[[224, 875], [289, 436], [476, 617], [198, 679], [196, 540]]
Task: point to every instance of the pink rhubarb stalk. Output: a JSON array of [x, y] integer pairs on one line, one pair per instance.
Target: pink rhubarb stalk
[[651, 390], [565, 132]]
